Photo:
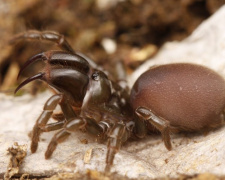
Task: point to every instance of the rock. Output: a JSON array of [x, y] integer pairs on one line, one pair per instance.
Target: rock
[[146, 158], [18, 115]]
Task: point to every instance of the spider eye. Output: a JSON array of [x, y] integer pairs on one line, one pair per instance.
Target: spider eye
[[95, 76]]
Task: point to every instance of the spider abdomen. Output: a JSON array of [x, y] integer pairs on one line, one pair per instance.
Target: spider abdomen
[[189, 96]]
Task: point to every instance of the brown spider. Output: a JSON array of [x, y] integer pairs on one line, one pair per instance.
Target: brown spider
[[171, 98], [88, 99]]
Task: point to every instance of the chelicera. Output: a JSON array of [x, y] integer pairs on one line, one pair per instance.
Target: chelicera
[[171, 98]]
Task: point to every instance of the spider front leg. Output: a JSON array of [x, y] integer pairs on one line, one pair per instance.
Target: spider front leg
[[41, 123], [45, 35], [54, 37]]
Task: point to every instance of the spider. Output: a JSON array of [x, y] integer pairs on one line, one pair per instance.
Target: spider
[[88, 99], [168, 97]]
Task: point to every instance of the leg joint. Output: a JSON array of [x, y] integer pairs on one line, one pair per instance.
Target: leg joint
[[52, 102]]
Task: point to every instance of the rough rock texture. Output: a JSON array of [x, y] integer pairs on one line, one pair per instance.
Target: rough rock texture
[[192, 153]]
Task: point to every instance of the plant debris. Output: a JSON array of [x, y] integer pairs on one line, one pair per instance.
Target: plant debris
[[17, 155]]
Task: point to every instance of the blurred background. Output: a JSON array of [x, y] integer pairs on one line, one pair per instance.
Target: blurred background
[[107, 31]]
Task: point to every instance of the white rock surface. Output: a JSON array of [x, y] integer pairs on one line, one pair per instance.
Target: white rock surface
[[193, 153]]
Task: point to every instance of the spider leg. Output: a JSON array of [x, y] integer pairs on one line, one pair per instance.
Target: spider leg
[[41, 122], [54, 37], [117, 136], [58, 116], [71, 126], [159, 123], [45, 35], [53, 126], [61, 136], [57, 138]]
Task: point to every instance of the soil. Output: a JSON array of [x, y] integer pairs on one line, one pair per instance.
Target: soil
[[136, 27]]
